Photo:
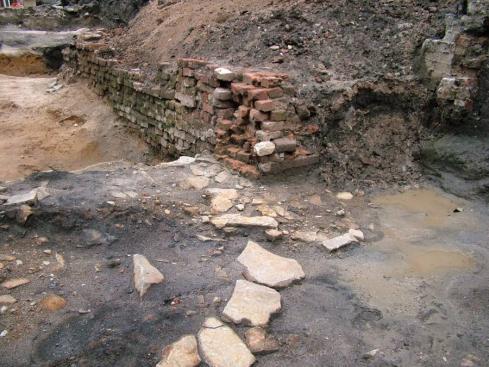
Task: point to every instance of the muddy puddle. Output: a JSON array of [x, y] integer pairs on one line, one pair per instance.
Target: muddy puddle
[[421, 241]]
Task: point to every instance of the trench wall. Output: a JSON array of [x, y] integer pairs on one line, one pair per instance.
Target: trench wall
[[250, 119]]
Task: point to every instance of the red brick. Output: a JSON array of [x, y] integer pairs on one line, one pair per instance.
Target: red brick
[[207, 108], [256, 115], [240, 88], [266, 105], [272, 125], [257, 94], [192, 63], [187, 72], [226, 113], [224, 124], [243, 111], [275, 92]]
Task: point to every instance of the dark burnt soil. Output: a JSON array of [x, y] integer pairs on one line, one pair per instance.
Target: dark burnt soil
[[327, 320]]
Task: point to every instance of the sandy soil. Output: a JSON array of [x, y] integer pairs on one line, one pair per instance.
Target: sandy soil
[[66, 130]]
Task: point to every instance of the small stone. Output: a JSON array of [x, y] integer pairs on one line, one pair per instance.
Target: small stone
[[315, 200], [25, 198], [264, 148], [183, 353], [252, 304], [346, 239], [236, 220], [305, 236], [222, 177], [259, 342], [344, 196], [53, 303], [7, 300], [222, 94], [4, 333], [197, 182], [240, 207], [371, 354], [145, 274], [269, 269], [7, 258], [23, 214], [221, 346], [224, 74], [180, 162], [273, 234], [14, 283]]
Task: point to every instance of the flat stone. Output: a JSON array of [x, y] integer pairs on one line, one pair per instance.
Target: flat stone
[[222, 177], [7, 258], [25, 198], [344, 196], [145, 274], [224, 74], [197, 182], [180, 162], [264, 148], [183, 353], [269, 269], [260, 342], [305, 236], [353, 236], [252, 304], [222, 347], [273, 234], [236, 220], [14, 283], [7, 300], [222, 199]]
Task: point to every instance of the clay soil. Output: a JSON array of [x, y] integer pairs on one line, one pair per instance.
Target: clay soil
[[66, 130]]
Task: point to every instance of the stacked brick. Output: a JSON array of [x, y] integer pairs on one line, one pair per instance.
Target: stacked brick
[[247, 119]]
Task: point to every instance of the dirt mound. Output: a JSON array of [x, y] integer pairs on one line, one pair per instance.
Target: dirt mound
[[328, 39], [68, 130], [22, 63]]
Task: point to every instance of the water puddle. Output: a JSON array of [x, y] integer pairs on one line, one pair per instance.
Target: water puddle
[[420, 245]]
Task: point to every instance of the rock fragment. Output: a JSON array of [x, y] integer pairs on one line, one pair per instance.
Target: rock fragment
[[273, 234], [7, 300], [269, 269], [252, 304], [23, 214], [224, 74], [222, 347], [145, 274], [344, 196], [260, 342], [14, 283], [180, 162], [264, 148], [183, 353], [222, 199], [197, 182], [346, 239], [236, 220], [25, 198]]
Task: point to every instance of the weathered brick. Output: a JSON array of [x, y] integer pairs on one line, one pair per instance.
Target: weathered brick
[[243, 112], [226, 113], [272, 125], [278, 115], [222, 94], [266, 105], [256, 115], [285, 145]]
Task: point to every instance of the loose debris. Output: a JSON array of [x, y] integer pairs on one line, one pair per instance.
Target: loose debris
[[145, 274]]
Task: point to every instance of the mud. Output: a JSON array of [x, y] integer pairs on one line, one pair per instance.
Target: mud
[[415, 289]]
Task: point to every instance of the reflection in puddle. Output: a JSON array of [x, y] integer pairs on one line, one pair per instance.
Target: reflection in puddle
[[420, 245]]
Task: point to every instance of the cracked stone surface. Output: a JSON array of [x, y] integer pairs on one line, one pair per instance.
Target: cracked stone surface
[[182, 353], [220, 346], [269, 269], [145, 274], [252, 304], [352, 236]]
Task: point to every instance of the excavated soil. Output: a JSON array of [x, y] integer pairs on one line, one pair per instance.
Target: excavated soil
[[66, 130]]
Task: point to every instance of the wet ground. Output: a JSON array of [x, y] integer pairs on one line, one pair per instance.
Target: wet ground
[[416, 289]]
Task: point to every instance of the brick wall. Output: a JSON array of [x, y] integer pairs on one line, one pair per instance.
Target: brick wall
[[249, 119]]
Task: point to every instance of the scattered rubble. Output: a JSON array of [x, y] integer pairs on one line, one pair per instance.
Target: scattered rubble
[[14, 283], [260, 342], [269, 269], [145, 274], [252, 304], [236, 220], [182, 353], [221, 346]]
